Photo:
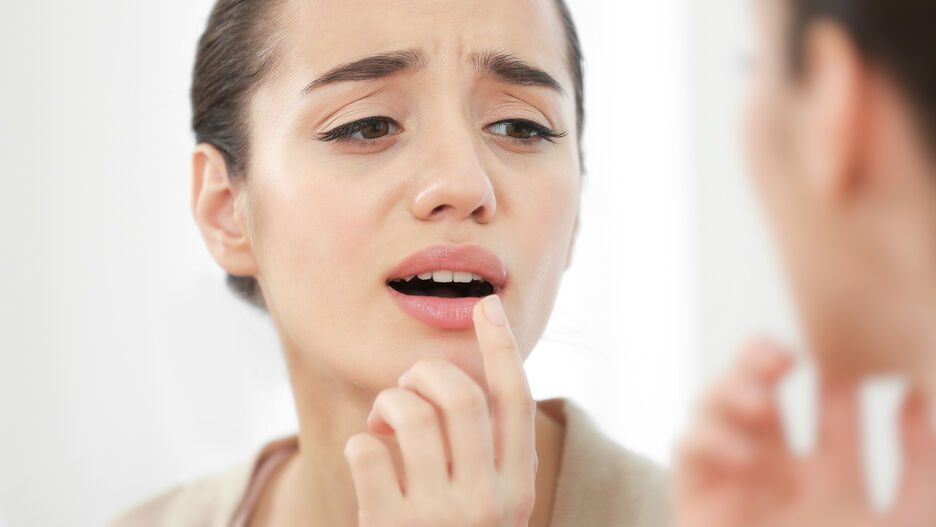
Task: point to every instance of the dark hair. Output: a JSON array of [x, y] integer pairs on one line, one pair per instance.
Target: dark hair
[[238, 50], [897, 35]]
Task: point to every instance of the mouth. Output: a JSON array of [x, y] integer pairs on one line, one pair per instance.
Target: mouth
[[444, 284], [441, 285]]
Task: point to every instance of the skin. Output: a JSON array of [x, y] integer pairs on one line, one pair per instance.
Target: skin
[[848, 184], [735, 469], [850, 188], [322, 224]]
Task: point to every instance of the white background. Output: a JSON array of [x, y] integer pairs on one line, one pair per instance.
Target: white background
[[128, 367]]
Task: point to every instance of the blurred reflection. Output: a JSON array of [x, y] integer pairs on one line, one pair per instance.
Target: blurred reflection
[[841, 135]]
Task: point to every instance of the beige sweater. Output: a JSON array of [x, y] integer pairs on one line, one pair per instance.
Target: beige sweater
[[599, 484]]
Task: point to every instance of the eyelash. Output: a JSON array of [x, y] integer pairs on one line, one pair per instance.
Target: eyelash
[[539, 131], [345, 131]]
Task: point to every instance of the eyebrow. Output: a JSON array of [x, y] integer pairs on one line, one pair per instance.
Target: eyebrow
[[512, 70], [498, 64], [370, 68]]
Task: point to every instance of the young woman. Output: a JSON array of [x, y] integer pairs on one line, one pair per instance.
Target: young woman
[[842, 138], [368, 172]]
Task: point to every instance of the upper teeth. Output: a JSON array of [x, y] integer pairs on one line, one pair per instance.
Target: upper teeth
[[446, 277]]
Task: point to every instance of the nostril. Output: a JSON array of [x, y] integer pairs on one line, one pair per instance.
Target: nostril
[[482, 213]]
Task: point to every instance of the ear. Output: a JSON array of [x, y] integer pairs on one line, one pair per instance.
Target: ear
[[218, 207], [834, 93]]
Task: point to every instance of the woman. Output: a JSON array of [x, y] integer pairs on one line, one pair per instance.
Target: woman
[[368, 172], [842, 140]]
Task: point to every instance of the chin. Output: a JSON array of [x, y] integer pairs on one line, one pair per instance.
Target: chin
[[461, 349], [856, 348]]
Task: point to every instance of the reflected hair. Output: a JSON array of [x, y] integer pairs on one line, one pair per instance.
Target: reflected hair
[[237, 51], [899, 36]]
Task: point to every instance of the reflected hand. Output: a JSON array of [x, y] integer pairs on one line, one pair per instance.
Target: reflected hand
[[734, 468], [464, 462]]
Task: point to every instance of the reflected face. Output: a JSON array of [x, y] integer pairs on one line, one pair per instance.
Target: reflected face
[[857, 299], [405, 161]]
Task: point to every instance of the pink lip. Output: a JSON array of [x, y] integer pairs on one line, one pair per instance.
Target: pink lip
[[447, 313]]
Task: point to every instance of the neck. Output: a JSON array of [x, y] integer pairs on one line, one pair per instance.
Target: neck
[[330, 411], [315, 486]]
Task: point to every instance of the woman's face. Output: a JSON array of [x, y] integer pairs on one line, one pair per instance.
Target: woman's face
[[455, 166]]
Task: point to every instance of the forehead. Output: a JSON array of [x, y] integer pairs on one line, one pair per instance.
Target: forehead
[[319, 34]]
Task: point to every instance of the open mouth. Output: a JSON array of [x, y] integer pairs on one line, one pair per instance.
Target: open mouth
[[444, 284], [441, 285]]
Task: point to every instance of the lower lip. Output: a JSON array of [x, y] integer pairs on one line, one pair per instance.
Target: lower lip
[[444, 313]]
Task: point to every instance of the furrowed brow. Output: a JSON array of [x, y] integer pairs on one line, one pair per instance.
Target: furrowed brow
[[512, 70], [369, 68]]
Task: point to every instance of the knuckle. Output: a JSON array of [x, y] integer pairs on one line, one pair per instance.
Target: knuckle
[[485, 513], [385, 398], [362, 448], [503, 342], [523, 505], [468, 398], [418, 416], [525, 408], [423, 368], [520, 403]]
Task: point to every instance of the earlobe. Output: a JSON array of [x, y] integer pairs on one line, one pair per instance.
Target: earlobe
[[219, 212], [832, 116]]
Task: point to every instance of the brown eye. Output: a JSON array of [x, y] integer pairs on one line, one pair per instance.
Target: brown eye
[[515, 129], [375, 129], [520, 131], [369, 129], [524, 130]]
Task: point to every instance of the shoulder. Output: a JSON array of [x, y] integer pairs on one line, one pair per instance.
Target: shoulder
[[602, 483], [206, 502]]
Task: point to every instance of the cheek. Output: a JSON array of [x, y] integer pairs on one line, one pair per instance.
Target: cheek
[[767, 128], [543, 235], [757, 128], [311, 229]]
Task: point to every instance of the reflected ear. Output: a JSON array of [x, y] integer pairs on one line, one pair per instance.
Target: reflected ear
[[218, 207], [834, 90]]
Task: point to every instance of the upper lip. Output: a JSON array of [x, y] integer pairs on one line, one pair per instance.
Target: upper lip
[[470, 258]]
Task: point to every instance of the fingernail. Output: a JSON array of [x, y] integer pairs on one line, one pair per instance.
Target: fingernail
[[494, 311], [402, 378]]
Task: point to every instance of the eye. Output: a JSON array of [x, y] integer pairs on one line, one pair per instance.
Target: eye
[[367, 129], [524, 130]]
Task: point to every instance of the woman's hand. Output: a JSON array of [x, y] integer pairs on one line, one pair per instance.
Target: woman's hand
[[734, 468], [464, 463]]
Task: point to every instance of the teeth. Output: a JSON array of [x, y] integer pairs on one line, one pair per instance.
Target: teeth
[[442, 277]]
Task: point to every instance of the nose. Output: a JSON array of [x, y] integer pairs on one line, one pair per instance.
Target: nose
[[453, 182]]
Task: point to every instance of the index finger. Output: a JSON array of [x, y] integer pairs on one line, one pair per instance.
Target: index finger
[[747, 391], [513, 409]]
